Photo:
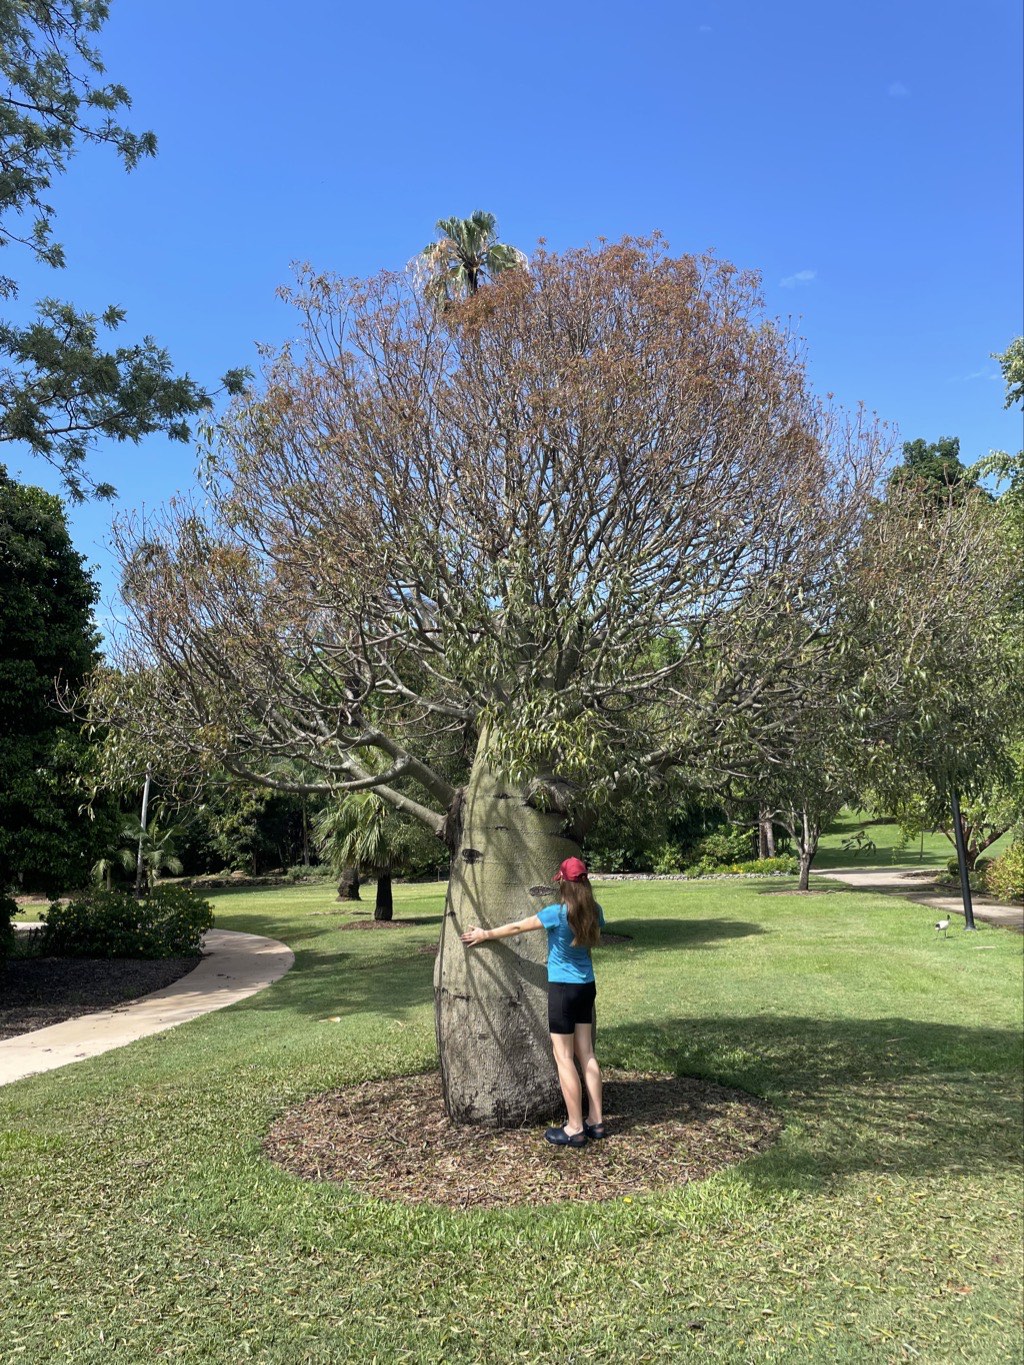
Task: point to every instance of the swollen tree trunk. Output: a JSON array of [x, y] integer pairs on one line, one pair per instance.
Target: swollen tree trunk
[[348, 886], [493, 1044], [383, 906]]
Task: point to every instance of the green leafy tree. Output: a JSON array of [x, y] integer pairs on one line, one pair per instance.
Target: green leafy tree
[[933, 469], [1011, 362], [63, 383], [466, 254], [46, 631], [941, 693]]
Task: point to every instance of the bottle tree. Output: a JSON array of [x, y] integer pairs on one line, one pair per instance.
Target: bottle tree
[[570, 532]]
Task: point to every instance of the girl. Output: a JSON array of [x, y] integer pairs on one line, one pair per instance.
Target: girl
[[574, 927]]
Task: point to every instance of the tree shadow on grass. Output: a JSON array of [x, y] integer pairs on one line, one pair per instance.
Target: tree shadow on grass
[[887, 1095], [652, 934], [323, 985]]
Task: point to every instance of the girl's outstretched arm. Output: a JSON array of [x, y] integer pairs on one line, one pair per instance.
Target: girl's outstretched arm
[[474, 936]]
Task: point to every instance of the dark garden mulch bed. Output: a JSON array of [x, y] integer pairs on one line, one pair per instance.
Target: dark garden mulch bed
[[391, 1139], [38, 991]]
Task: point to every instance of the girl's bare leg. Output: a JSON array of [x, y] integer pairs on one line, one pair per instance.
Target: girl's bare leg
[[583, 1045], [562, 1046]]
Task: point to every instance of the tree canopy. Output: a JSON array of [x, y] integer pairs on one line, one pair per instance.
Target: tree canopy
[[933, 469], [46, 631], [533, 519], [62, 383]]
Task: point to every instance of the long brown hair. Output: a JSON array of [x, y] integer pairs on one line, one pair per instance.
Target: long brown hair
[[578, 899]]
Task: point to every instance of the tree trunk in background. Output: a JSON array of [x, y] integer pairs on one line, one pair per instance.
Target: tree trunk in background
[[384, 905], [497, 1067], [807, 846], [769, 837], [348, 886], [762, 836]]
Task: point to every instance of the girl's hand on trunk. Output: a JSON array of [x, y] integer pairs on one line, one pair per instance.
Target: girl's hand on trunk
[[473, 936]]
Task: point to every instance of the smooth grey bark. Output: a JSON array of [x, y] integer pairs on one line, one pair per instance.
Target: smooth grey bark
[[497, 1068], [769, 834]]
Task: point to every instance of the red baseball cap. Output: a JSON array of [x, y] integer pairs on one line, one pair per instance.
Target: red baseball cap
[[572, 870]]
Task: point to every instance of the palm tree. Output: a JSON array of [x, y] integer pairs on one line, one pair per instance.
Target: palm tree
[[154, 850], [466, 254], [364, 833]]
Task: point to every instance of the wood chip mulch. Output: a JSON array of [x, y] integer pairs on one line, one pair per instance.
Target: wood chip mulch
[[38, 991], [390, 1139]]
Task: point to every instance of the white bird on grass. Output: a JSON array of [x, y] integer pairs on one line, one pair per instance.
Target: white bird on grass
[[943, 924]]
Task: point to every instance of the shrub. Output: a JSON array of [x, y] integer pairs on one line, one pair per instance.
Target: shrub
[[300, 872], [8, 906], [1004, 876], [667, 859], [169, 922], [767, 866], [976, 880], [750, 867], [724, 847]]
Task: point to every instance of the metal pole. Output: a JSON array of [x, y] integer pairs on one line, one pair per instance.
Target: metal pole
[[142, 834], [961, 857]]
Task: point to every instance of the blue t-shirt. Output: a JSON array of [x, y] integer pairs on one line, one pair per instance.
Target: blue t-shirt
[[566, 963]]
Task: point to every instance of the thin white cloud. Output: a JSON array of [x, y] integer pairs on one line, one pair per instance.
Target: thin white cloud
[[801, 277], [898, 91], [705, 28]]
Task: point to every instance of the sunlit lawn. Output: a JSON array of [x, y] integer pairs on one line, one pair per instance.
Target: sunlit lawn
[[140, 1220], [931, 851]]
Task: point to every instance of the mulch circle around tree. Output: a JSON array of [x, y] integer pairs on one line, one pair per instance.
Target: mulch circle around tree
[[390, 1139], [38, 991]]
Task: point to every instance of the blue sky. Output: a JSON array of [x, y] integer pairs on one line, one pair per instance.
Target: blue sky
[[866, 158]]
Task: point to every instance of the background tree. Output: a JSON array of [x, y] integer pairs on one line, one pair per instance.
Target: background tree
[[154, 846], [464, 531], [46, 630], [933, 470], [465, 255], [940, 694], [363, 832], [62, 384], [1011, 362]]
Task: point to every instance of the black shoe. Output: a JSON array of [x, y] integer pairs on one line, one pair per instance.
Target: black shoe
[[594, 1131], [561, 1138]]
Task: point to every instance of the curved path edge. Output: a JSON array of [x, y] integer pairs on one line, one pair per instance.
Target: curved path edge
[[234, 966], [916, 885]]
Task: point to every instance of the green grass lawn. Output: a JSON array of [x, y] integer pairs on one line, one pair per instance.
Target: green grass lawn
[[929, 851], [140, 1221]]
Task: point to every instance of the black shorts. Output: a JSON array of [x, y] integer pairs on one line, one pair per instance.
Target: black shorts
[[570, 1003]]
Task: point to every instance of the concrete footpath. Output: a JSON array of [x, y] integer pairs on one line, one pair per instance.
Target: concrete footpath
[[234, 966], [918, 885]]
